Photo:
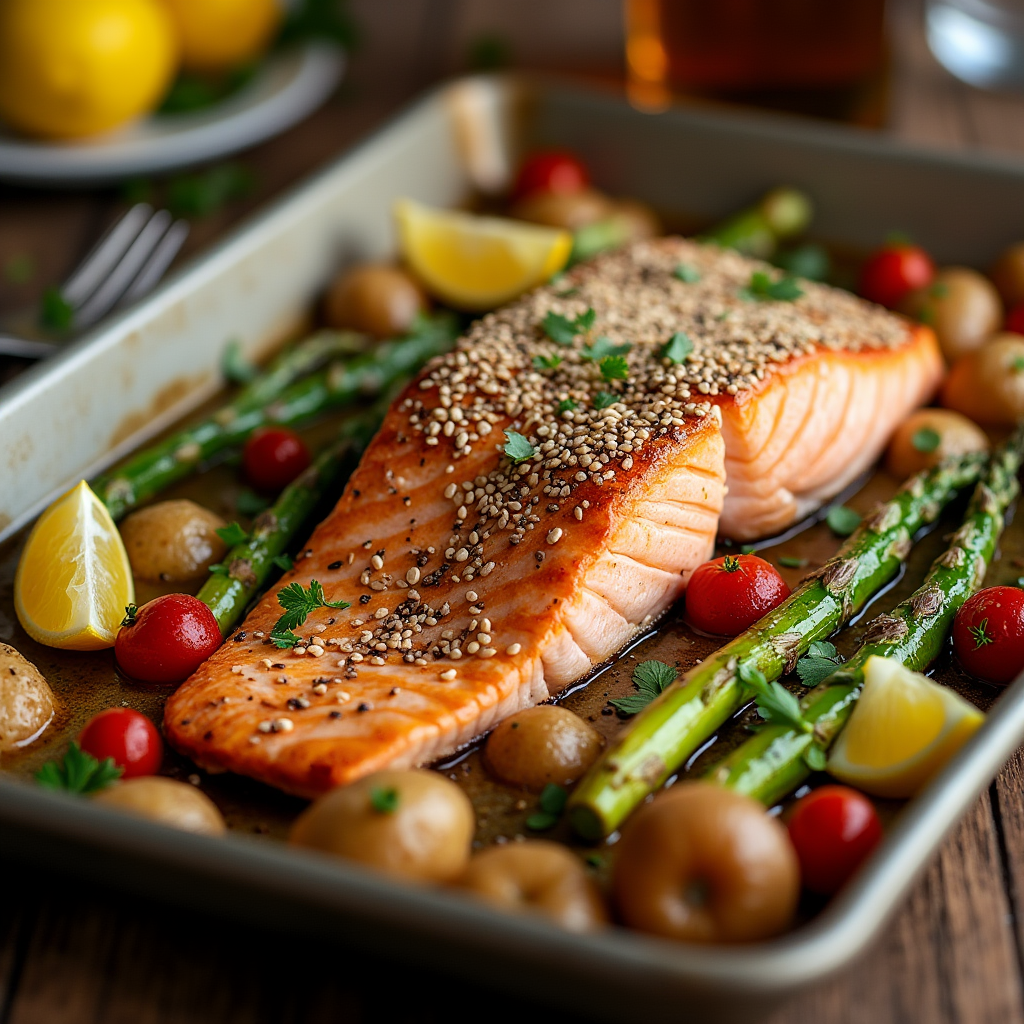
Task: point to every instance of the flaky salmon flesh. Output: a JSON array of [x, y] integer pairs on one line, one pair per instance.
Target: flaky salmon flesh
[[542, 494]]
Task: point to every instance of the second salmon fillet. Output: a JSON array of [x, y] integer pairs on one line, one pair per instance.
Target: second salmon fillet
[[543, 493]]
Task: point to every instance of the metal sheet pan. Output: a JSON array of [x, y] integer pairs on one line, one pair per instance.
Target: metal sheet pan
[[111, 390]]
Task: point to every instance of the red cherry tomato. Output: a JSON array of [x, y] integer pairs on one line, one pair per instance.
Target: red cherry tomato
[[727, 595], [166, 640], [1015, 319], [895, 271], [988, 634], [126, 736], [833, 830], [274, 457], [550, 170]]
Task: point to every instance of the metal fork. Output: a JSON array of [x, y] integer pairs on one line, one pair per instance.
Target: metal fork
[[123, 266]]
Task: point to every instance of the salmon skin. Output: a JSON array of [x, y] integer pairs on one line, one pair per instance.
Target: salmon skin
[[540, 495]]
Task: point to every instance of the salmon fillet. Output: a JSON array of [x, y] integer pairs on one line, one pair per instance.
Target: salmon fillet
[[480, 585]]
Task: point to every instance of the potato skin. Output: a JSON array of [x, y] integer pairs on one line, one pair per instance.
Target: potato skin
[[962, 306], [426, 837], [541, 745], [376, 299], [173, 541], [540, 877], [957, 436], [1008, 274], [987, 386], [175, 804], [703, 864], [567, 210], [26, 701]]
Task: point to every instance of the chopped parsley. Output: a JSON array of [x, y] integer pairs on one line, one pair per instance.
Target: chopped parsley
[[298, 604], [248, 503], [791, 562], [517, 448], [218, 569], [774, 702], [234, 366], [283, 562], [603, 399], [818, 664], [563, 331], [552, 803], [842, 521], [547, 362], [762, 288], [384, 800], [678, 348], [686, 272], [926, 439], [614, 368], [566, 405], [78, 772], [232, 534], [650, 678], [605, 347]]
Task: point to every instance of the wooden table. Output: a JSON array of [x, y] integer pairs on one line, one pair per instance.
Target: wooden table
[[75, 954]]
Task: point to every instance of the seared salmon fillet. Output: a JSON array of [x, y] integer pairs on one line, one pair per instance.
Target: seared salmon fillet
[[540, 495]]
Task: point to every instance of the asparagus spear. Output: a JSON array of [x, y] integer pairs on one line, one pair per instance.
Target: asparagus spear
[[756, 231], [669, 729], [278, 397], [779, 757], [247, 565]]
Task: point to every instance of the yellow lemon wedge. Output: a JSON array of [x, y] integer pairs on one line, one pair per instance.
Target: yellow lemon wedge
[[903, 730], [477, 263], [74, 580]]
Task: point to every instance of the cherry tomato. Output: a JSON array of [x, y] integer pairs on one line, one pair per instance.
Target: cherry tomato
[[988, 634], [833, 830], [1015, 319], [728, 594], [166, 640], [895, 271], [274, 457], [126, 736], [550, 170]]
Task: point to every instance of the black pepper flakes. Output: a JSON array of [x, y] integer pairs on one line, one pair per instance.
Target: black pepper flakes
[[334, 565]]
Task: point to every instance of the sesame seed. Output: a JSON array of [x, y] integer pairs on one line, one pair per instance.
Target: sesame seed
[[377, 562], [513, 649], [412, 576], [298, 650], [449, 674], [487, 652], [472, 596], [320, 689], [315, 650], [555, 535]]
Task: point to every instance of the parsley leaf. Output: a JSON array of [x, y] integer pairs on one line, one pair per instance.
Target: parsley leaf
[[650, 678], [774, 702], [552, 803], [232, 534], [78, 772], [814, 758], [926, 439], [284, 638], [547, 362], [762, 288], [283, 562], [518, 449], [842, 521], [791, 562], [384, 801], [566, 405], [55, 312], [678, 348], [604, 347], [248, 503], [603, 399], [686, 272], [562, 331], [234, 366], [298, 603], [818, 664], [1018, 364], [614, 368], [218, 569]]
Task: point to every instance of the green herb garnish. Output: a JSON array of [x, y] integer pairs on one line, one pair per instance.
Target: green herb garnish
[[232, 534], [614, 368], [283, 562], [842, 521], [762, 288], [55, 312], [384, 800], [566, 405], [926, 439], [650, 678], [792, 562], [603, 399], [1018, 364], [809, 261], [234, 366], [517, 448], [547, 362], [218, 569], [207, 192], [604, 347], [818, 664], [249, 503], [563, 331], [774, 702], [678, 348], [686, 272], [78, 772], [552, 803], [299, 603]]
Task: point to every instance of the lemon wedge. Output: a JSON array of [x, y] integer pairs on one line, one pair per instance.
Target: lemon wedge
[[902, 732], [74, 580], [477, 263]]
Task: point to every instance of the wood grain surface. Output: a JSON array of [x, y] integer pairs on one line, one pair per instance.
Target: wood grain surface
[[76, 954]]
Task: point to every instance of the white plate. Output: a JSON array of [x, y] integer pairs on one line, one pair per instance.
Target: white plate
[[290, 86]]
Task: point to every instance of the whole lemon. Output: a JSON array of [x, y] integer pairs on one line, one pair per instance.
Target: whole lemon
[[217, 35], [70, 68]]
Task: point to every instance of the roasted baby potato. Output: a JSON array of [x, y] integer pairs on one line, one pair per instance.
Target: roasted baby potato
[[962, 306], [172, 541], [1008, 275], [927, 437], [414, 824], [988, 385], [537, 876], [568, 210], [26, 700], [376, 299], [541, 745], [175, 804]]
